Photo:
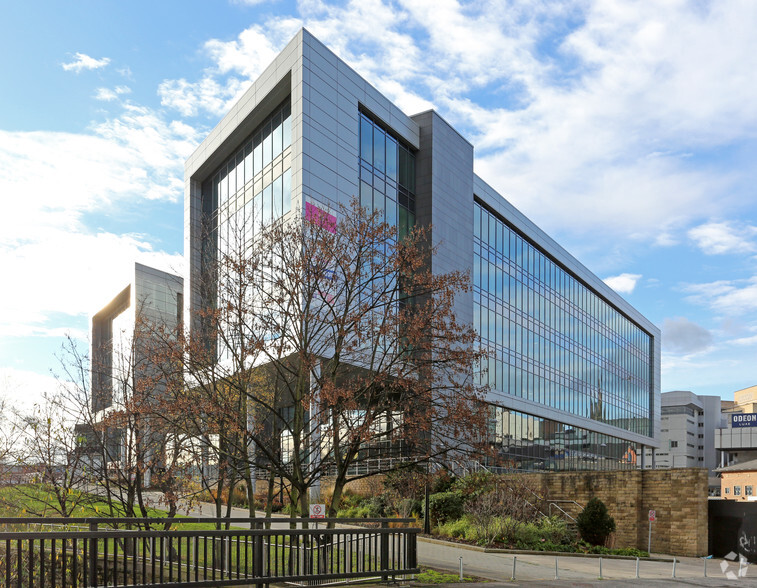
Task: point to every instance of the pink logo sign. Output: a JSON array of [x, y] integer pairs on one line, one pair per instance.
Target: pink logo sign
[[320, 217]]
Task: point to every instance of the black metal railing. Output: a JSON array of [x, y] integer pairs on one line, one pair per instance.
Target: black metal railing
[[225, 557]]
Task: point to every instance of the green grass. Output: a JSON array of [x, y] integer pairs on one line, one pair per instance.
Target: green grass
[[429, 576], [29, 500]]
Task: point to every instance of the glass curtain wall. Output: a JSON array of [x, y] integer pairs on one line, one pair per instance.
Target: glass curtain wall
[[552, 339], [526, 442], [387, 175], [251, 189]]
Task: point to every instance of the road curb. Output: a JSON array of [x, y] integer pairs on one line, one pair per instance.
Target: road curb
[[479, 549]]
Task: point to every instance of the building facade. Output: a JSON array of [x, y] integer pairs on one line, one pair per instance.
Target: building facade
[[574, 375], [736, 440], [688, 426], [744, 401], [739, 481], [122, 365]]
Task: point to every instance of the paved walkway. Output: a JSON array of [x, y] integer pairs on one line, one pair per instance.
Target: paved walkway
[[581, 570], [539, 570]]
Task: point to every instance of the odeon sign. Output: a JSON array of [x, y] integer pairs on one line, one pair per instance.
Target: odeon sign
[[744, 420]]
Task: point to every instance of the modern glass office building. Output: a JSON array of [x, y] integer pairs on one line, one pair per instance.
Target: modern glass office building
[[123, 364], [151, 296], [574, 374]]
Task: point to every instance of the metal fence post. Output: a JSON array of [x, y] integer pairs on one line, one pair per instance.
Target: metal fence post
[[557, 571], [257, 556], [674, 567], [384, 540], [412, 550], [461, 568], [515, 560], [92, 580], [637, 567], [600, 568]]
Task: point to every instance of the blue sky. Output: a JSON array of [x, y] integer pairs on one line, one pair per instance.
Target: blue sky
[[627, 130]]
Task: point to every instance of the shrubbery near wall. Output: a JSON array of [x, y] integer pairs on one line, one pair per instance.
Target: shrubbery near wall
[[594, 523]]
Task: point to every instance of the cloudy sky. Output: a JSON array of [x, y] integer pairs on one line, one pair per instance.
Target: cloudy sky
[[627, 130]]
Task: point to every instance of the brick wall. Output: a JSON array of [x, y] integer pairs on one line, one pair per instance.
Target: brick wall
[[745, 481], [679, 497]]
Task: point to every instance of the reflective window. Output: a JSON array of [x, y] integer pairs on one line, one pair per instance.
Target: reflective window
[[553, 340], [382, 188], [239, 197], [520, 441]]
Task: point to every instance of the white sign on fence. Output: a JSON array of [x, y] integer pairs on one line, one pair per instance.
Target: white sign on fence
[[317, 511]]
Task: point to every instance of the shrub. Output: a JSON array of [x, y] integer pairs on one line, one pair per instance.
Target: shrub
[[630, 551], [406, 483], [350, 498], [461, 528], [442, 482], [545, 545], [484, 511], [377, 506], [527, 536], [474, 485], [508, 530], [408, 507], [594, 523], [355, 512], [445, 506], [556, 531]]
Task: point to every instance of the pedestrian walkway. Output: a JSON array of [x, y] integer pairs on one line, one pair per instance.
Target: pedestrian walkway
[[570, 570], [561, 570]]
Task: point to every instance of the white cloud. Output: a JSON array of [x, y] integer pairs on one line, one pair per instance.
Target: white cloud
[[581, 150], [729, 297], [83, 62], [110, 94], [623, 283], [207, 94], [682, 336], [717, 238], [248, 2], [23, 389], [75, 273], [247, 56], [588, 128], [51, 180], [746, 341]]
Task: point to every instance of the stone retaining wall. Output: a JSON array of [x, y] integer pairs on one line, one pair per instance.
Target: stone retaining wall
[[678, 496]]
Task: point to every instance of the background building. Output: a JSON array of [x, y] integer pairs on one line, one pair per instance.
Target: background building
[[122, 353], [575, 369], [737, 438], [739, 481], [744, 401], [687, 433]]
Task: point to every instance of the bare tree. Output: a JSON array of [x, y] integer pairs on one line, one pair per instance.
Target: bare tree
[[52, 463], [123, 449], [329, 347], [10, 433]]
